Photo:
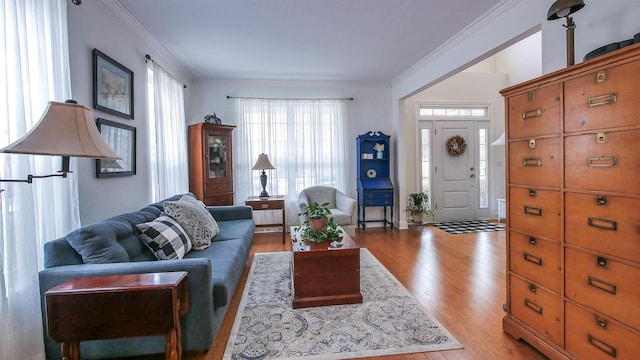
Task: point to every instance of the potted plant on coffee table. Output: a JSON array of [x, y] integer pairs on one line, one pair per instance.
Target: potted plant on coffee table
[[318, 226], [418, 208]]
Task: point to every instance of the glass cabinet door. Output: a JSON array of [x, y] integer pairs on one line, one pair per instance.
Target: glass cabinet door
[[217, 145]]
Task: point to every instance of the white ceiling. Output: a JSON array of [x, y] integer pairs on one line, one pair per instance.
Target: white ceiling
[[318, 40]]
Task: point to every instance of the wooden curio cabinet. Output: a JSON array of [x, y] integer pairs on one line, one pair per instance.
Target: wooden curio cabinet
[[210, 163]]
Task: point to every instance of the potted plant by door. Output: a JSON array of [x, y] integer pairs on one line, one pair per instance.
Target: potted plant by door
[[418, 207]]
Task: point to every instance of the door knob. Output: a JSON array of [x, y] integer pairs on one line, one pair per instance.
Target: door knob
[[472, 175], [471, 168]]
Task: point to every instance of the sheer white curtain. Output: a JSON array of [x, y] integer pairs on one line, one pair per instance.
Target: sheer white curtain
[[168, 133], [34, 69], [304, 140]]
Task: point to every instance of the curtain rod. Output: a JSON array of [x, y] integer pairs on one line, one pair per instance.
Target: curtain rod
[[147, 58], [267, 98]]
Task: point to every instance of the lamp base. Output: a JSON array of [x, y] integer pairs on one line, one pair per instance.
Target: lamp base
[[263, 182]]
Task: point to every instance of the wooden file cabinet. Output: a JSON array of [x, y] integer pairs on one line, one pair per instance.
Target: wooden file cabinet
[[573, 196]]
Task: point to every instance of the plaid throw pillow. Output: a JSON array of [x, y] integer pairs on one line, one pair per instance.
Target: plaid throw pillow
[[165, 238]]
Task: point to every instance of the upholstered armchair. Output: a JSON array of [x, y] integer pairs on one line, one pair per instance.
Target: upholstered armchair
[[343, 208]]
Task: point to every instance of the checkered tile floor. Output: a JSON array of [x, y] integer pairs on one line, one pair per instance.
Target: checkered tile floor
[[468, 226]]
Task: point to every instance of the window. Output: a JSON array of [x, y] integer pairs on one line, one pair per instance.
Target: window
[[425, 161], [441, 111], [304, 140], [483, 168], [167, 133]]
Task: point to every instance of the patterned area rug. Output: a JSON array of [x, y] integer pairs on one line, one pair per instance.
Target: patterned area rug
[[389, 321], [468, 226]]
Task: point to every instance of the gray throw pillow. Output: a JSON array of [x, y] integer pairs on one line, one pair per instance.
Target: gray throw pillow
[[195, 219]]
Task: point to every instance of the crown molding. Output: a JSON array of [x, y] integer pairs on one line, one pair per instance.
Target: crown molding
[[161, 52], [489, 16]]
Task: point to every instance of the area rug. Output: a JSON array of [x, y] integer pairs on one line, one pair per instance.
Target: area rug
[[389, 321], [468, 226]]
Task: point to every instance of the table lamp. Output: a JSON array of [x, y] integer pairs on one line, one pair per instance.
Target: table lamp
[[65, 129], [263, 164], [562, 9]]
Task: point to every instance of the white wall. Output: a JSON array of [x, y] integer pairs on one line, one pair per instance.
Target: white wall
[[521, 61], [600, 22], [95, 25], [370, 110], [463, 88]]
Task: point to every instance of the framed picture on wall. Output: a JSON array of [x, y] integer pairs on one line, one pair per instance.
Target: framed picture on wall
[[112, 86], [122, 139]]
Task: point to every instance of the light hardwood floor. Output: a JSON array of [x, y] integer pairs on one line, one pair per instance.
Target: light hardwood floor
[[459, 279]]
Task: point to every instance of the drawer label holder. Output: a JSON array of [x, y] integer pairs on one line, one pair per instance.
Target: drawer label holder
[[603, 224], [603, 346], [603, 285]]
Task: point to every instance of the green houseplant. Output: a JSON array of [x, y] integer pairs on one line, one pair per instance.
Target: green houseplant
[[316, 215], [418, 207], [318, 227]]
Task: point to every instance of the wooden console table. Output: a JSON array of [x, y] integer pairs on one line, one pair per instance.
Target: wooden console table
[[118, 306], [325, 273], [274, 202]]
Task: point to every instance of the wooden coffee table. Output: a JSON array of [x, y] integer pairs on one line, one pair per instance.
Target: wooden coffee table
[[325, 273]]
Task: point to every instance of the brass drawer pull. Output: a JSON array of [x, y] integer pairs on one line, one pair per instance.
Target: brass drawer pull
[[601, 322], [532, 162], [602, 100], [603, 346], [601, 200], [603, 285], [532, 211], [533, 259], [533, 306], [602, 261], [264, 206], [531, 114], [603, 161], [603, 224]]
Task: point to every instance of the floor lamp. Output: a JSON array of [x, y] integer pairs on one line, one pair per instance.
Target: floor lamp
[[65, 129]]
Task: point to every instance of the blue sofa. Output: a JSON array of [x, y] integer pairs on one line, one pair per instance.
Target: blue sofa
[[213, 275]]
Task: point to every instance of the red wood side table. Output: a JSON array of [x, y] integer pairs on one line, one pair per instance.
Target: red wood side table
[[273, 202], [118, 306]]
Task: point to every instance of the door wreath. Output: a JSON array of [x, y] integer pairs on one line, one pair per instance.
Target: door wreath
[[456, 145]]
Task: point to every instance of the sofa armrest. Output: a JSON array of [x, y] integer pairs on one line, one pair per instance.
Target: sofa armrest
[[226, 213], [201, 304], [198, 325]]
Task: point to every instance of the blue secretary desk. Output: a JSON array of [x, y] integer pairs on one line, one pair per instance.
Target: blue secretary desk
[[374, 183]]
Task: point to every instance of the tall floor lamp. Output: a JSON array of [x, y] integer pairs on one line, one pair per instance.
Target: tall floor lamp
[[65, 129], [263, 164]]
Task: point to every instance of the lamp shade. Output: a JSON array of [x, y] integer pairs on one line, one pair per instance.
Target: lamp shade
[[263, 163], [563, 8], [65, 129], [499, 141]]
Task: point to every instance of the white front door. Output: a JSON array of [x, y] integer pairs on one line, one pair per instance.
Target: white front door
[[454, 196]]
